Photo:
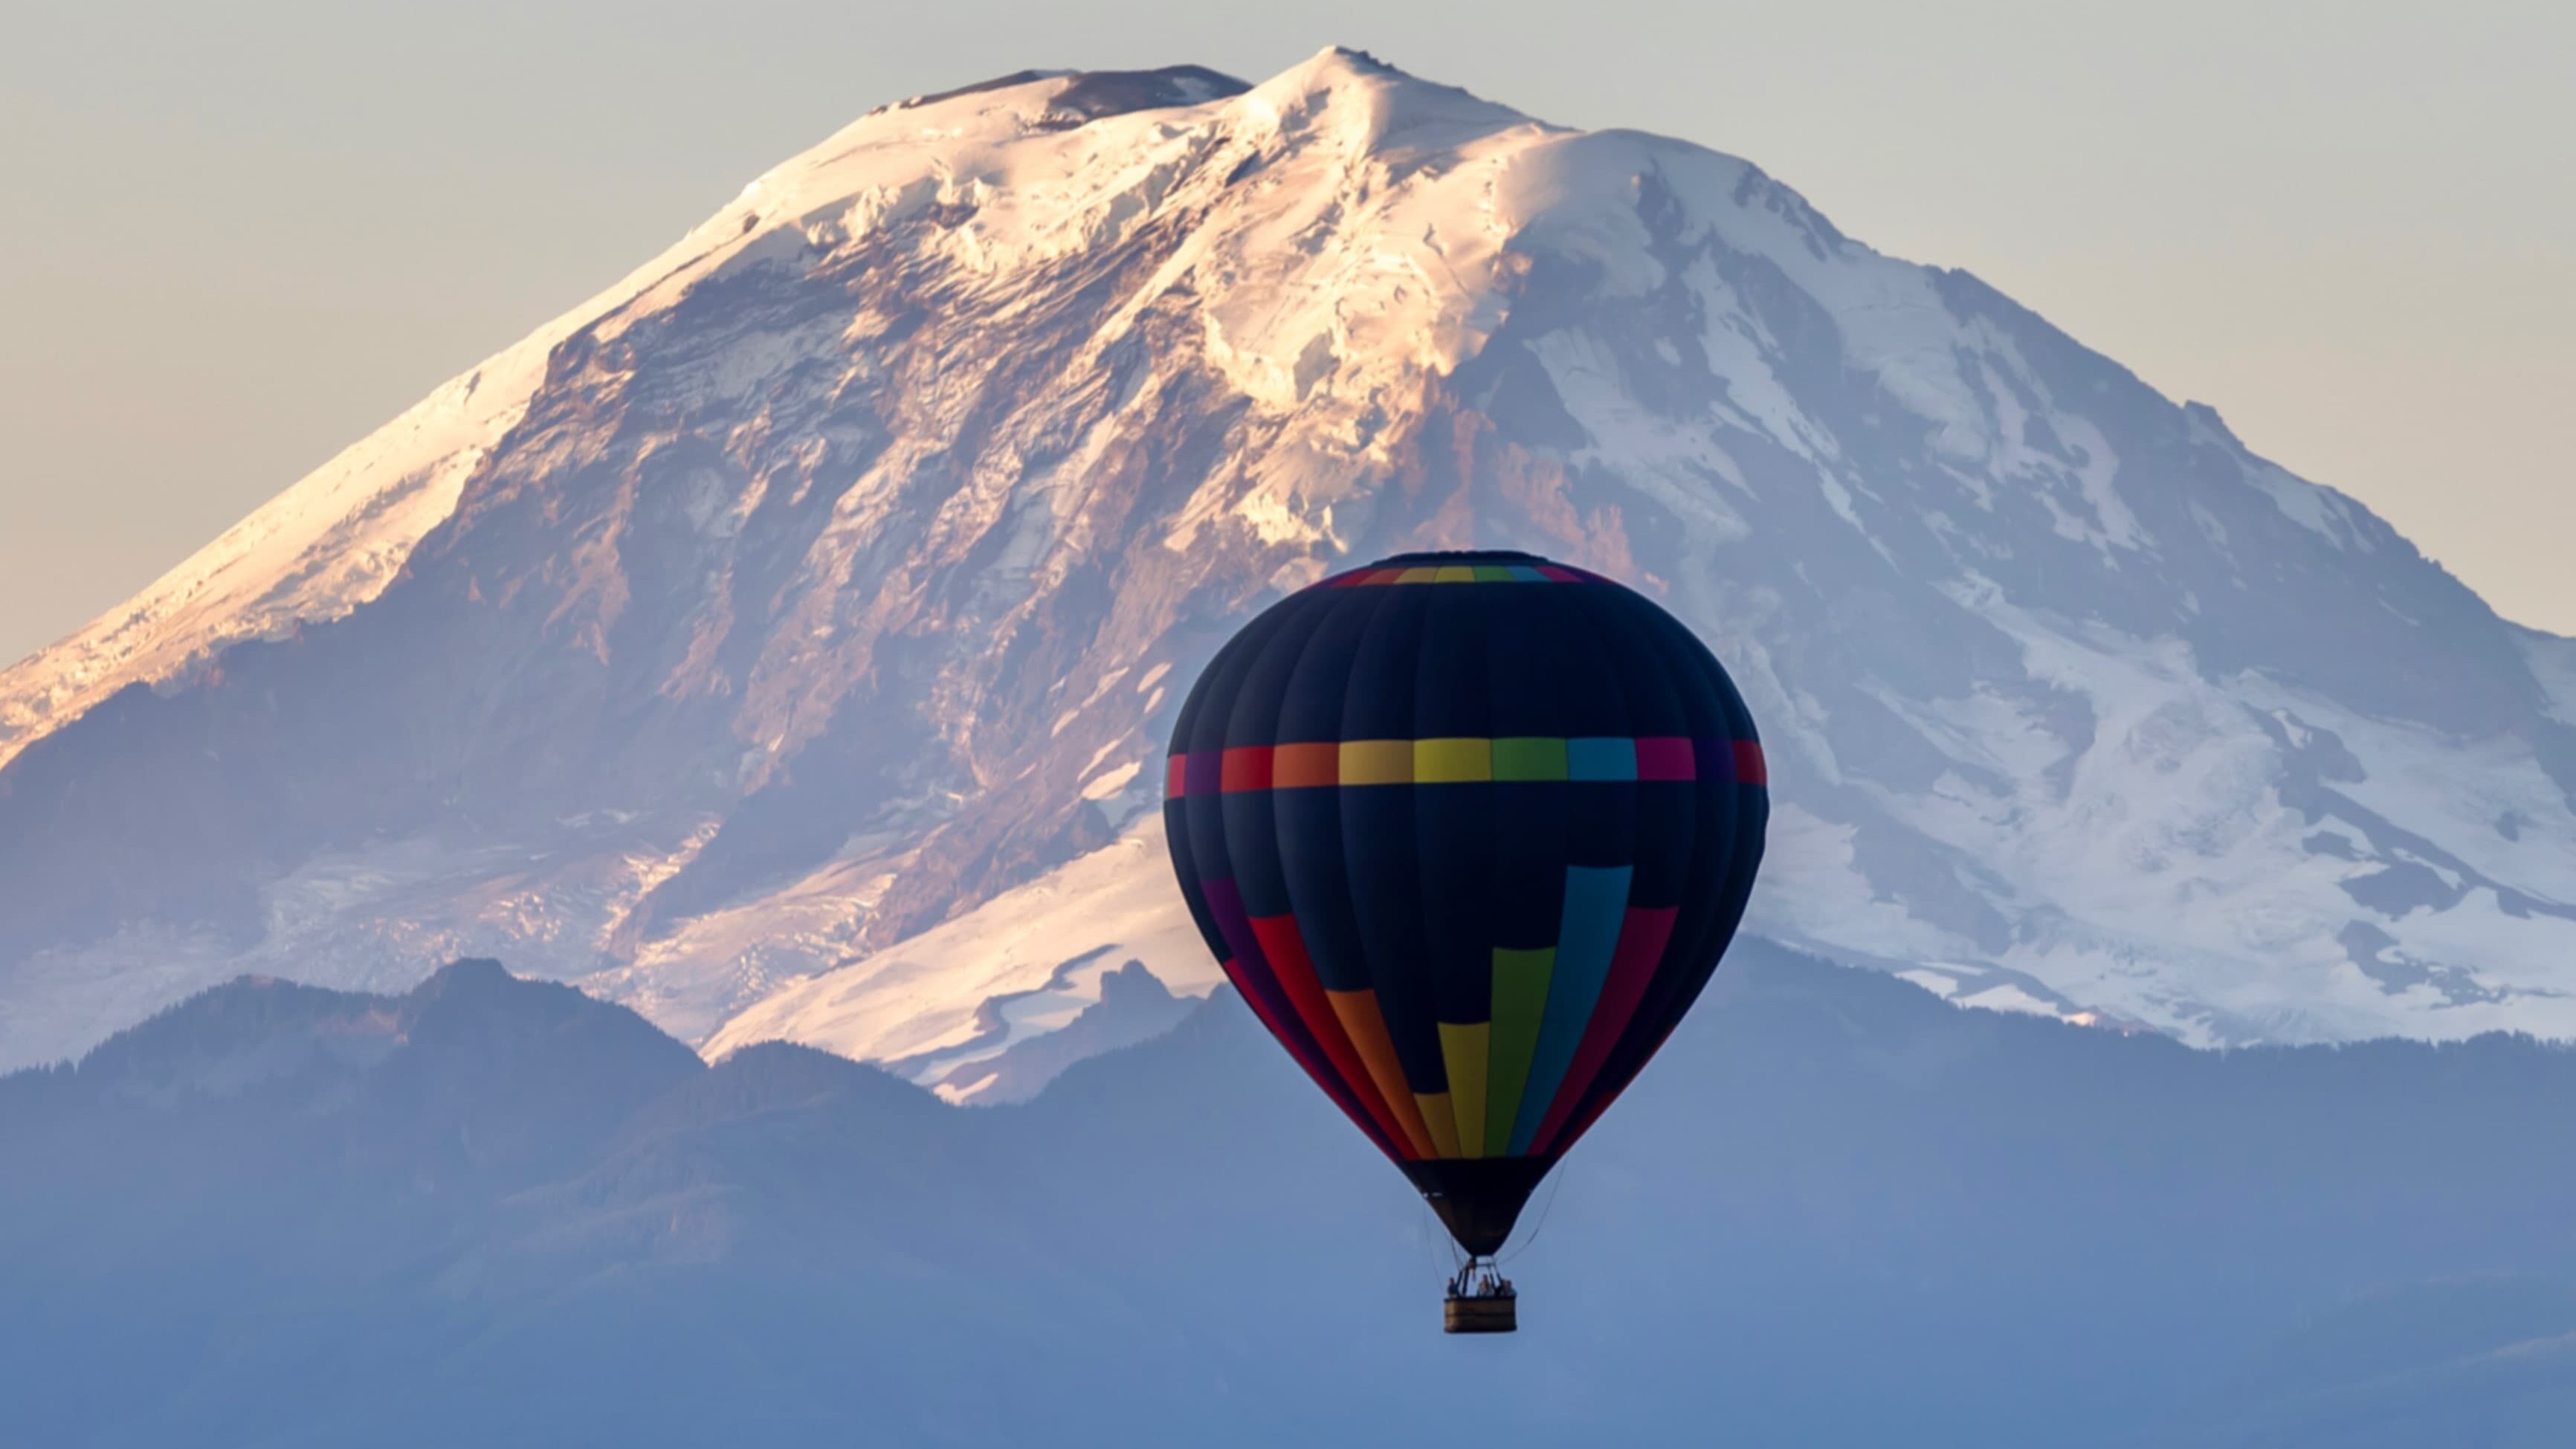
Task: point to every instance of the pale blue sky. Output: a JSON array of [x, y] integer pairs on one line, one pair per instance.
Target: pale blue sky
[[238, 237]]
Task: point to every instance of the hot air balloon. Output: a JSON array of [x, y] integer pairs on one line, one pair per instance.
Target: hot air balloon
[[1469, 832]]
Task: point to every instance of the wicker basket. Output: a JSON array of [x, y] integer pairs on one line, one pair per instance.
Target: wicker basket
[[1480, 1315]]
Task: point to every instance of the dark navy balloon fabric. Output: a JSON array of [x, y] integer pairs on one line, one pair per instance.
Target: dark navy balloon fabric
[[1470, 832]]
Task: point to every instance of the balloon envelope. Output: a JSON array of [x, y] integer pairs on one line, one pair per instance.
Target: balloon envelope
[[1469, 831]]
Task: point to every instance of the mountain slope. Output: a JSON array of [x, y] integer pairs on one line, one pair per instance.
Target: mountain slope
[[839, 572]]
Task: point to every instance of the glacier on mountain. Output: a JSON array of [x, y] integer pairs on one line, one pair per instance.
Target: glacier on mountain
[[782, 641]]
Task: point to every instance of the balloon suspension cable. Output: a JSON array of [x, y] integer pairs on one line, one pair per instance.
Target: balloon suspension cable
[[1436, 1242], [1529, 1240]]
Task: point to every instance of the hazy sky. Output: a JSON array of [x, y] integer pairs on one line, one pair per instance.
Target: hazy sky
[[239, 237]]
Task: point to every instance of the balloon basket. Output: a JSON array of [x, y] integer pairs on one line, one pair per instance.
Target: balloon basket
[[1480, 1315], [1481, 1300]]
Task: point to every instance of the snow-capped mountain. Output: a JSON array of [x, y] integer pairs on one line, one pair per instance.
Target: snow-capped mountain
[[781, 642]]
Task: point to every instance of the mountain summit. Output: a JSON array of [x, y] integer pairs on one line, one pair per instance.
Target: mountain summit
[[781, 642]]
